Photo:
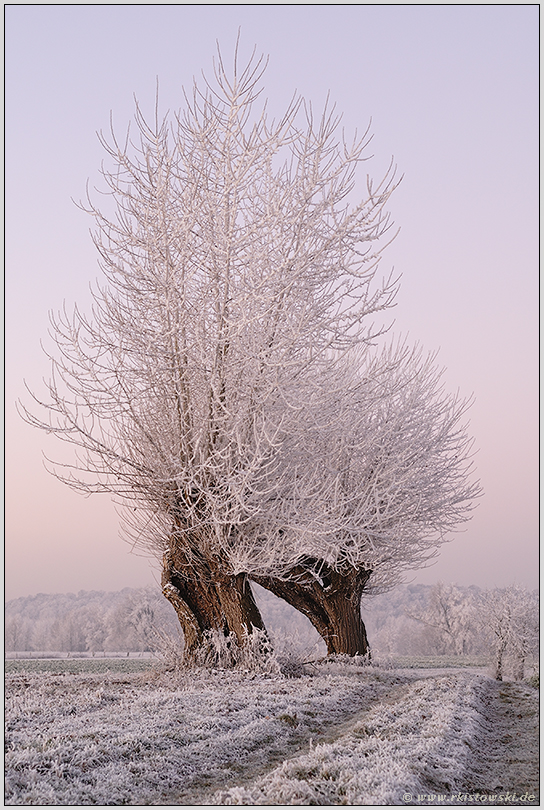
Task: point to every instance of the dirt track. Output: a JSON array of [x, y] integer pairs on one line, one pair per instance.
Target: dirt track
[[507, 762]]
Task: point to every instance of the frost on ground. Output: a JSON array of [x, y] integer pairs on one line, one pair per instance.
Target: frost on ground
[[511, 715], [347, 735], [423, 744], [110, 739]]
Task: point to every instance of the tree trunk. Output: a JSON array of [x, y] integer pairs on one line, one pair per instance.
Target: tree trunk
[[332, 603], [207, 600], [499, 653], [519, 667]]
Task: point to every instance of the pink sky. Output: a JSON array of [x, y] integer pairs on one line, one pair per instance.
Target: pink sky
[[453, 94]]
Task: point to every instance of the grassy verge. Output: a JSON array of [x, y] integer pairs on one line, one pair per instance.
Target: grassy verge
[[438, 661], [77, 665]]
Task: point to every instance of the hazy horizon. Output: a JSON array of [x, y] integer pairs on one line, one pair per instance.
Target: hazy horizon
[[452, 94]]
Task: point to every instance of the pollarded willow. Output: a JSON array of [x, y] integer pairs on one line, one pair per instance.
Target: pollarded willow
[[226, 362]]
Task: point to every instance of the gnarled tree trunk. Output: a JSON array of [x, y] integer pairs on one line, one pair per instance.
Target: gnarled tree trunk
[[206, 599], [332, 603]]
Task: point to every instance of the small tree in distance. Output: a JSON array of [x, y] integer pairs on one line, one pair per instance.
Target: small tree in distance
[[225, 386], [451, 619], [509, 617]]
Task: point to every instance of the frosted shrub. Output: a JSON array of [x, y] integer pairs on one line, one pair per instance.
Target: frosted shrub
[[219, 651], [168, 648], [296, 654]]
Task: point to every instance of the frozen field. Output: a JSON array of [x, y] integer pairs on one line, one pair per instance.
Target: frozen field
[[345, 735]]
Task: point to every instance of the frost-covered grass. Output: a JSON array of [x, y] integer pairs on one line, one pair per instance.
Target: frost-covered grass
[[83, 739], [81, 665], [346, 735], [414, 742], [438, 661]]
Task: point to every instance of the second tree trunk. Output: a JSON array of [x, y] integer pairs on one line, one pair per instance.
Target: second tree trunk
[[332, 602]]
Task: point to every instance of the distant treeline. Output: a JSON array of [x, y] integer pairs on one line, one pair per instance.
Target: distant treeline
[[410, 620], [88, 621]]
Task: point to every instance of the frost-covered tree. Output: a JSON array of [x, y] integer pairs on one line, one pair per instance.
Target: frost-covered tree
[[524, 640], [138, 613], [224, 386], [509, 617], [451, 619], [67, 632], [17, 634], [95, 628]]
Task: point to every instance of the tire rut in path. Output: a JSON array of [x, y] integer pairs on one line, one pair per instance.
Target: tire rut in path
[[329, 733], [506, 757]]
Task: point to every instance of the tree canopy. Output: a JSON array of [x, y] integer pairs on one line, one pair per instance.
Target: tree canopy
[[227, 385]]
